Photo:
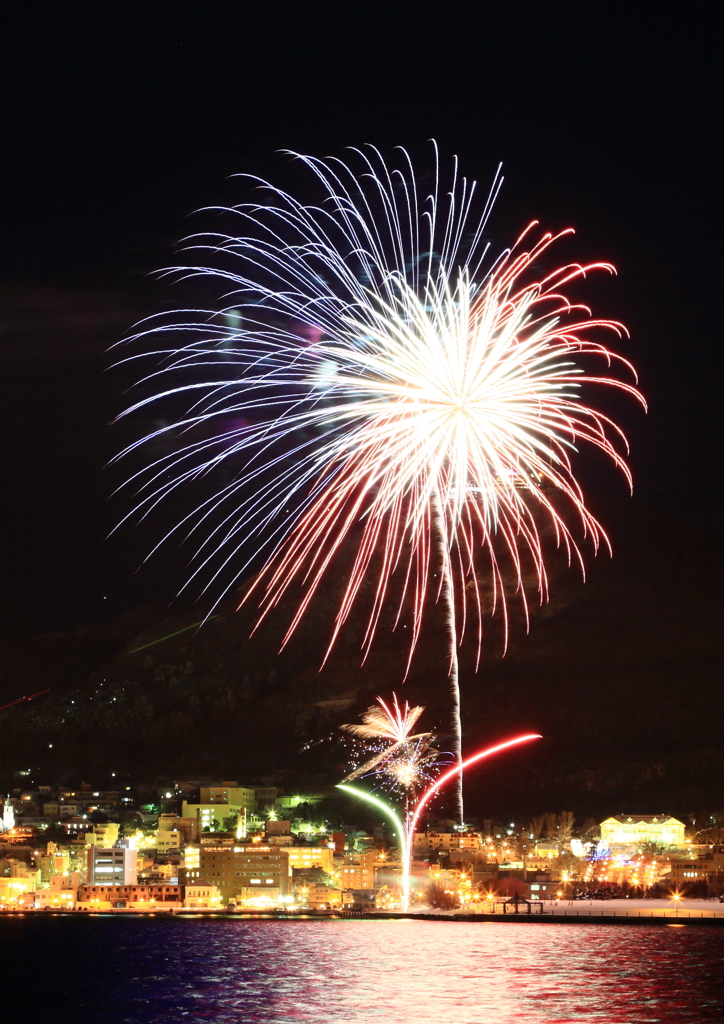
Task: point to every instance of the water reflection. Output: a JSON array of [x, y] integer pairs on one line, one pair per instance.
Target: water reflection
[[379, 972]]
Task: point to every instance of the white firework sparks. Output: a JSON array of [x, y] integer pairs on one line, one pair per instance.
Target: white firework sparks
[[365, 371]]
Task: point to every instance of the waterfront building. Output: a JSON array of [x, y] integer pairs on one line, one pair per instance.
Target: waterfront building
[[255, 867], [638, 829], [12, 891], [129, 897], [202, 895], [322, 897], [61, 894]]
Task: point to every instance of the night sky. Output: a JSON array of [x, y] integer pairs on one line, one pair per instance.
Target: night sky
[[116, 128]]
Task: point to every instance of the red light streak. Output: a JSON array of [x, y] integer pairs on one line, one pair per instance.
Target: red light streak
[[457, 770], [21, 699]]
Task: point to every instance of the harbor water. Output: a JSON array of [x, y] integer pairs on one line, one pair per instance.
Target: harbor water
[[132, 970]]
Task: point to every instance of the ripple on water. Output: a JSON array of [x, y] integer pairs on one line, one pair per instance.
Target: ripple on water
[[135, 971]]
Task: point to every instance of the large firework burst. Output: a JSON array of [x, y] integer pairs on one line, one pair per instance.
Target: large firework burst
[[366, 371]]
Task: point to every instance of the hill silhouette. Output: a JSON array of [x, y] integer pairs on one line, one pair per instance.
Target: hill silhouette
[[621, 675]]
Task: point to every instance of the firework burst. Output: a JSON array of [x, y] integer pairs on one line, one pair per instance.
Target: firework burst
[[400, 760], [367, 380]]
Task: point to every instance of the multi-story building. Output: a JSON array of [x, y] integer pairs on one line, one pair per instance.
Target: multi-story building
[[229, 796], [55, 862], [311, 857], [266, 796], [58, 810], [13, 890], [60, 895], [142, 897], [115, 866], [639, 829], [192, 864], [168, 840], [430, 842], [357, 871], [202, 896], [700, 866], [104, 834], [320, 897], [256, 868], [206, 814]]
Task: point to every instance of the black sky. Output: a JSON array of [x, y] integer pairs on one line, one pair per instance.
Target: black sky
[[117, 126]]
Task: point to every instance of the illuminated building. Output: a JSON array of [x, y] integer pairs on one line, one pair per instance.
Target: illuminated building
[[104, 834], [322, 897], [55, 862], [430, 842], [545, 851], [8, 821], [61, 895], [202, 896], [357, 872], [115, 866], [256, 868], [206, 813], [12, 890], [311, 857], [192, 863], [131, 896], [635, 829], [228, 797], [168, 840], [701, 866], [252, 798]]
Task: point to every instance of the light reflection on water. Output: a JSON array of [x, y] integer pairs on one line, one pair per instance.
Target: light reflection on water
[[135, 971]]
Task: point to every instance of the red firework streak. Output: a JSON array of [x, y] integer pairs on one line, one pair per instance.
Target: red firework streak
[[21, 699]]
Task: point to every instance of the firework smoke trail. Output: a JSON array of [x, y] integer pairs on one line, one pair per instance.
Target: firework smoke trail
[[366, 371]]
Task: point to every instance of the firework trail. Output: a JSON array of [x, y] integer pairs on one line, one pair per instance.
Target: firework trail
[[367, 379], [406, 832]]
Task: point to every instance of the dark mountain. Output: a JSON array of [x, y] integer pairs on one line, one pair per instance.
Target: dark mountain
[[621, 675]]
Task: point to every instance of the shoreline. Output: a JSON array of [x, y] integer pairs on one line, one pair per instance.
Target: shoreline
[[558, 916]]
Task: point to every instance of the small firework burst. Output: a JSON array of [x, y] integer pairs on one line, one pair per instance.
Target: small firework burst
[[400, 759]]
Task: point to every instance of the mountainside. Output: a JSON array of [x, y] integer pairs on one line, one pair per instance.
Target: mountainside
[[621, 675]]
